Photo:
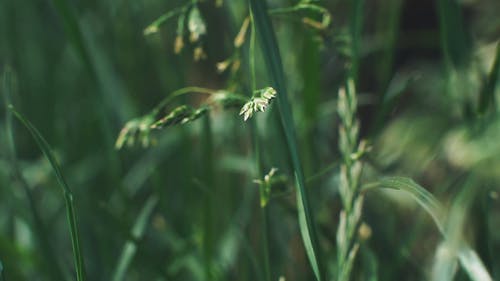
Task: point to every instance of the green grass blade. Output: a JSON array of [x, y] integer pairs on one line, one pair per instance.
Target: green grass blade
[[271, 54], [455, 42], [73, 31], [473, 265], [487, 95], [423, 197], [50, 260], [1, 271], [356, 28], [444, 265], [208, 240], [468, 258], [137, 232], [68, 196]]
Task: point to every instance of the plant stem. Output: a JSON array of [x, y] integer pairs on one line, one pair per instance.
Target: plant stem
[[181, 92], [264, 211], [209, 176]]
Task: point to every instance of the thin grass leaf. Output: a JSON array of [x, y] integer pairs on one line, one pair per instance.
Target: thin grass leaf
[[272, 57], [43, 237], [209, 210], [68, 195], [73, 31], [468, 258], [137, 233], [1, 272], [264, 211], [487, 95], [454, 37], [445, 263], [473, 265], [356, 28], [423, 197]]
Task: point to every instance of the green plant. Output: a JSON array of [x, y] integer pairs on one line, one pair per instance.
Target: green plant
[[259, 140]]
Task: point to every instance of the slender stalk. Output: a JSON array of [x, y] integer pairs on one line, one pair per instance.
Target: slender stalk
[[264, 211], [181, 92], [272, 58], [252, 53], [208, 202]]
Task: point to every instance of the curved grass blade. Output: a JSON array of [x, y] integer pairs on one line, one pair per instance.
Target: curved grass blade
[[468, 258], [68, 195], [271, 54], [43, 237], [137, 232]]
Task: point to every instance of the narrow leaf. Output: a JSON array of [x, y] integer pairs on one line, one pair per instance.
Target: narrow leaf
[[468, 258], [137, 232], [272, 57], [487, 95], [68, 196]]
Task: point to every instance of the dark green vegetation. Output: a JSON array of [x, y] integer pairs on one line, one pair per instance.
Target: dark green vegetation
[[370, 148]]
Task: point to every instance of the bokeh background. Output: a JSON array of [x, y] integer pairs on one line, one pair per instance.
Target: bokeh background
[[185, 207]]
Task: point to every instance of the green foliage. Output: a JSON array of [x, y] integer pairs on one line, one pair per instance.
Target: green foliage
[[250, 140], [274, 67]]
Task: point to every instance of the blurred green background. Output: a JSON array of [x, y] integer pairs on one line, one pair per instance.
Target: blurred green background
[[186, 206]]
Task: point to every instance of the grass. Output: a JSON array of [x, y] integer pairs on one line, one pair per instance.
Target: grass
[[272, 58], [249, 140], [68, 195]]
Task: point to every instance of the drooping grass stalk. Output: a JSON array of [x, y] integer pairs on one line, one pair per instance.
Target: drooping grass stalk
[[350, 172], [272, 58], [53, 265], [68, 195], [264, 211], [178, 93]]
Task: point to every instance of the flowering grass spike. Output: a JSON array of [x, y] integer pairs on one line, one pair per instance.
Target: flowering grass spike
[[258, 102]]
